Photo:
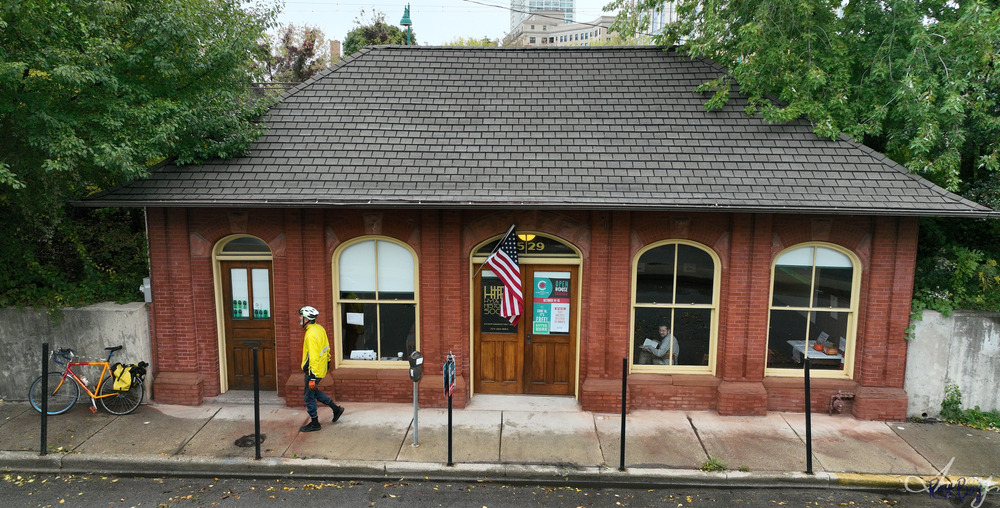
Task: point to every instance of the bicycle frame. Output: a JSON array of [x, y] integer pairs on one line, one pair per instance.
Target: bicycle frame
[[68, 371]]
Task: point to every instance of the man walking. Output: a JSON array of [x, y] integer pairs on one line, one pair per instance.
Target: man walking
[[315, 362]]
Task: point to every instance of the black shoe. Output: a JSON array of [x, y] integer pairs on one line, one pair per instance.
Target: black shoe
[[337, 411], [311, 427]]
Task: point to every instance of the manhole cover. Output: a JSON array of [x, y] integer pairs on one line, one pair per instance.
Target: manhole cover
[[248, 440]]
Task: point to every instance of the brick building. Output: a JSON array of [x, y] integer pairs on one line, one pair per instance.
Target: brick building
[[385, 182]]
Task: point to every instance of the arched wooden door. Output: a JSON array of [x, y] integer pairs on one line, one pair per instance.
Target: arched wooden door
[[249, 323], [538, 356]]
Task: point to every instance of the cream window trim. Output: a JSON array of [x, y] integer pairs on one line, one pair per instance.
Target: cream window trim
[[714, 307], [338, 337], [851, 313]]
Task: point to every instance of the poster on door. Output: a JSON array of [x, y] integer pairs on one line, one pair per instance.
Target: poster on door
[[492, 298], [550, 309]]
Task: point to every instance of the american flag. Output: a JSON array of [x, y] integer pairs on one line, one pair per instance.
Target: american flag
[[504, 265]]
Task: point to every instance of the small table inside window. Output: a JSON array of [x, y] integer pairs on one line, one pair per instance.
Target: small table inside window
[[799, 346]]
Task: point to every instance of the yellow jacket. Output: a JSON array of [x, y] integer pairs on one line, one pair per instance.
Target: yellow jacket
[[315, 351]]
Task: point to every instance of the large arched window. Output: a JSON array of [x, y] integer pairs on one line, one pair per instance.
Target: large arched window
[[813, 309], [675, 308], [376, 301]]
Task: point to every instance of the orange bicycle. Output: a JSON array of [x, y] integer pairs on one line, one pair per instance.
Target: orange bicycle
[[64, 387]]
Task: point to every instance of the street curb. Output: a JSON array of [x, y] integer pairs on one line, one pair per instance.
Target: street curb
[[594, 476], [871, 481], [32, 462]]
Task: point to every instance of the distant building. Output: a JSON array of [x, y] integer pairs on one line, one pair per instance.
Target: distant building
[[546, 28], [521, 9], [662, 16]]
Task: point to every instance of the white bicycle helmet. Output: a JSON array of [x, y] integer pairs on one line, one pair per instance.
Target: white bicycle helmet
[[309, 313]]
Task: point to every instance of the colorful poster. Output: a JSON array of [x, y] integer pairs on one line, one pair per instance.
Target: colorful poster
[[551, 303], [490, 320]]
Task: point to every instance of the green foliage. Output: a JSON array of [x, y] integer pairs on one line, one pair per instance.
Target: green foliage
[[92, 93], [295, 54], [951, 410], [713, 465], [915, 79], [472, 41], [72, 257], [375, 32]]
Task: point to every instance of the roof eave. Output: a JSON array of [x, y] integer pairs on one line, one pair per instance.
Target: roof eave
[[515, 205]]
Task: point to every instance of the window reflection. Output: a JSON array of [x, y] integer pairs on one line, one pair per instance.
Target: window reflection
[[674, 306], [817, 283], [377, 301]]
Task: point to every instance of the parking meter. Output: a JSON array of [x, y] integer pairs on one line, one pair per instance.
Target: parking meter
[[416, 366]]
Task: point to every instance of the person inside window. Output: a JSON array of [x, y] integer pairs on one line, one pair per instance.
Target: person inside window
[[664, 352]]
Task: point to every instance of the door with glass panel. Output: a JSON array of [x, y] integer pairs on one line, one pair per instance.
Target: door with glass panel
[[538, 355], [549, 336], [499, 348], [249, 323]]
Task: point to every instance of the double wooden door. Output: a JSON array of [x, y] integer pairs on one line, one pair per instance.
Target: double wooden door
[[538, 355], [247, 301]]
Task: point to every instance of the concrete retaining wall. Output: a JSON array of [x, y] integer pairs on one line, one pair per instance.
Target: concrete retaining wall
[[962, 349], [87, 330]]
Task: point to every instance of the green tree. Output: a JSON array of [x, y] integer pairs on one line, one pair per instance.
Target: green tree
[[472, 41], [374, 32], [295, 53], [915, 79], [92, 93]]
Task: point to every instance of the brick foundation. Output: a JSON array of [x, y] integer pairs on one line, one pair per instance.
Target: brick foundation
[[884, 404], [378, 385], [675, 392], [742, 399], [601, 395], [178, 388], [787, 394]]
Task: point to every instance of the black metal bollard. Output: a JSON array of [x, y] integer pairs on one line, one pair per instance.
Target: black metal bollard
[[450, 462], [621, 464], [256, 405], [45, 398], [809, 448]]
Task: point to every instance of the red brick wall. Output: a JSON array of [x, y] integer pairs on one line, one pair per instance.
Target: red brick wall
[[303, 242]]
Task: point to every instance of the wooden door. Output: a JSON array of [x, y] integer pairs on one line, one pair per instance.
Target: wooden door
[[247, 296], [550, 329], [538, 356], [499, 350]]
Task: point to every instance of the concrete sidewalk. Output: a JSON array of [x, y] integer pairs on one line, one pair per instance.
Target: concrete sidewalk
[[508, 438]]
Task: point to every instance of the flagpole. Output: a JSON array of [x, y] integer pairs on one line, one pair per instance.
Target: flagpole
[[502, 238]]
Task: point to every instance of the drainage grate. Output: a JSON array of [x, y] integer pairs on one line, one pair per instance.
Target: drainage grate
[[248, 440]]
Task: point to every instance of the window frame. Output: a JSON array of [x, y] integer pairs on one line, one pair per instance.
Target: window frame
[[713, 342], [852, 315], [338, 302]]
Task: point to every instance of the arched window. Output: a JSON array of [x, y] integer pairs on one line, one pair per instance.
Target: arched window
[[376, 300], [675, 307], [813, 309]]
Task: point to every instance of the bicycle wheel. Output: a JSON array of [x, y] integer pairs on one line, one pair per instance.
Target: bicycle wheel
[[59, 400], [121, 402]]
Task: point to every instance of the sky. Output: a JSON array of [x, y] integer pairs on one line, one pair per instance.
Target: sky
[[435, 22]]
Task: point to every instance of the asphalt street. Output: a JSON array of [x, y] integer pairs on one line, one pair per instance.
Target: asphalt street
[[31, 491]]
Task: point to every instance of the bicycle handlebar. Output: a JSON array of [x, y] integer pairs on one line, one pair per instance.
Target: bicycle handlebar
[[65, 353]]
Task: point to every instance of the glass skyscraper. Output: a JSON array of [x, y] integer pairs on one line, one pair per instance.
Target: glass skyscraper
[[521, 9]]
